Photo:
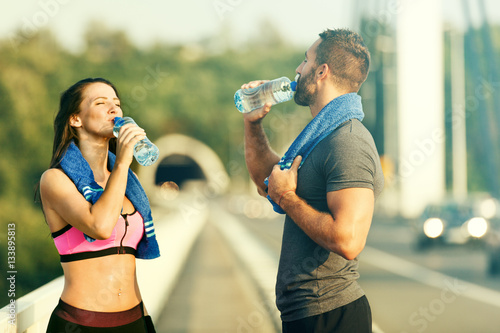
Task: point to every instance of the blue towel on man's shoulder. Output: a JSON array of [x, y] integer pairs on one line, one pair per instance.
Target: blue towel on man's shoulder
[[78, 170], [334, 114]]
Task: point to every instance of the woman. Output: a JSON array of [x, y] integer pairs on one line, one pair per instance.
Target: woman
[[98, 214]]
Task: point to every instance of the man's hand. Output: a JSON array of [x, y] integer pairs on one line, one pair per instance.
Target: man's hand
[[343, 229], [283, 181], [256, 115]]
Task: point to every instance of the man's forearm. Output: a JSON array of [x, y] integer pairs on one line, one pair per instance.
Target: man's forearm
[[321, 227], [259, 156]]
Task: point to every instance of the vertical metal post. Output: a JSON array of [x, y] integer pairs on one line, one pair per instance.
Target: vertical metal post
[[485, 122], [458, 116], [421, 167]]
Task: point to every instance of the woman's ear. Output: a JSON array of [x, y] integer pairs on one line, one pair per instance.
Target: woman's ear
[[75, 121]]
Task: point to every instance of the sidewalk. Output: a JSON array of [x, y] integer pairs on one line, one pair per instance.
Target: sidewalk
[[213, 293]]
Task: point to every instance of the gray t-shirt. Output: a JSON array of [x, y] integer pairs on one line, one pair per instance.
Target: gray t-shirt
[[312, 280]]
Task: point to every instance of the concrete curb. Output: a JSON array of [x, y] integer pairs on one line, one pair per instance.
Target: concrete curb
[[260, 261], [176, 236]]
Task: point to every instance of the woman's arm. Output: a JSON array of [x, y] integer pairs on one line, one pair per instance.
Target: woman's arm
[[64, 204]]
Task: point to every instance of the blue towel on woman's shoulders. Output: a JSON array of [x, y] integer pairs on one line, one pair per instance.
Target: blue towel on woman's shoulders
[[334, 114], [78, 170]]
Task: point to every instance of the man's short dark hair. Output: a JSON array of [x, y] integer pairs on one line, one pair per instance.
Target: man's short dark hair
[[346, 54]]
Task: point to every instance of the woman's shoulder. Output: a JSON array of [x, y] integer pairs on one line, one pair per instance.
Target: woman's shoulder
[[51, 175], [53, 179], [54, 190]]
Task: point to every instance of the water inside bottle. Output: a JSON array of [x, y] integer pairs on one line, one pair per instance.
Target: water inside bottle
[[254, 98], [118, 123], [145, 153], [239, 102]]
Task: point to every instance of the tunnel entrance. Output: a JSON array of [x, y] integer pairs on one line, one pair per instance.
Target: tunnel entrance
[[190, 164], [178, 169]]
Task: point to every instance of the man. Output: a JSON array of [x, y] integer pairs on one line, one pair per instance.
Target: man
[[328, 192]]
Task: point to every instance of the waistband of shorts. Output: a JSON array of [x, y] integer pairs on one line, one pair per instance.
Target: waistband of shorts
[[98, 319]]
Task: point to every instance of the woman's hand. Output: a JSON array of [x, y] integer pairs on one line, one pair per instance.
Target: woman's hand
[[128, 136]]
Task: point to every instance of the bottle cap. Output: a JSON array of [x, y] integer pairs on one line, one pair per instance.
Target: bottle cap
[[116, 119], [293, 85]]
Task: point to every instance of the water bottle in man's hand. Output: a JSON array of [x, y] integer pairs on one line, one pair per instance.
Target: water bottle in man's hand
[[275, 91]]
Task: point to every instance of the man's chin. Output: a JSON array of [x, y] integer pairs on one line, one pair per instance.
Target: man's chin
[[299, 101]]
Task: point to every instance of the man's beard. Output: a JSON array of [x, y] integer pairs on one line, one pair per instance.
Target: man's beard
[[306, 90]]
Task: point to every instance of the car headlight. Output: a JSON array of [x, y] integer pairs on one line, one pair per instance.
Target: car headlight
[[433, 227], [477, 227], [488, 208]]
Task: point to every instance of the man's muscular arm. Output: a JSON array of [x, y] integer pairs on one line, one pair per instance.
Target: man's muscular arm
[[343, 230], [259, 156]]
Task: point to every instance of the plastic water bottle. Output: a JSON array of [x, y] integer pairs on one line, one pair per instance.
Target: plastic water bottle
[[145, 152], [275, 91]]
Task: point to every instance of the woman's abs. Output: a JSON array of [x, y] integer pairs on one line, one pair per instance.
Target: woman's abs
[[106, 284]]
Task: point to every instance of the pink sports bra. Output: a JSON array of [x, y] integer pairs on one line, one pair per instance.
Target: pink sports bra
[[72, 245]]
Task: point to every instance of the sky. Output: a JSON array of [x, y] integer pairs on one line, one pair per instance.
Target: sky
[[180, 22]]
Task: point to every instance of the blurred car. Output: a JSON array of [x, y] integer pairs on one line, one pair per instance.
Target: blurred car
[[493, 250], [454, 222], [492, 239]]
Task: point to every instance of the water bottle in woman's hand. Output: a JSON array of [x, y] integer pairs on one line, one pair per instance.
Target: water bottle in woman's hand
[[145, 152]]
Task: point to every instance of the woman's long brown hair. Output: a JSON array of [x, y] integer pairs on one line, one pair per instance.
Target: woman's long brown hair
[[69, 106], [63, 132]]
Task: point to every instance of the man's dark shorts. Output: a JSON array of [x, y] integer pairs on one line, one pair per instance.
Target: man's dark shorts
[[353, 317]]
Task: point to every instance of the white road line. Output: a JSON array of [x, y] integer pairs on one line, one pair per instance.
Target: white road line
[[261, 261], [428, 277], [376, 329]]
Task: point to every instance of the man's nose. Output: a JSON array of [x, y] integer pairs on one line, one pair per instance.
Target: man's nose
[[299, 68]]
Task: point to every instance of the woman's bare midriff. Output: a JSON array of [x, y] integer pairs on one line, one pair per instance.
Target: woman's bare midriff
[[105, 284]]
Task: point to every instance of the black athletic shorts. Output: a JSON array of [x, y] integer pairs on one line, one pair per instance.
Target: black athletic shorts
[[68, 319], [353, 317]]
